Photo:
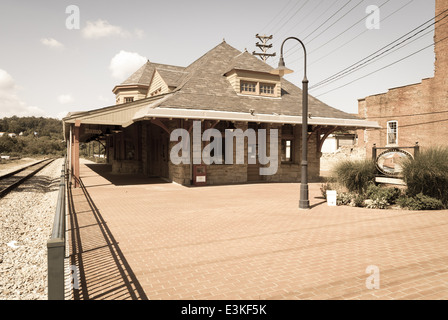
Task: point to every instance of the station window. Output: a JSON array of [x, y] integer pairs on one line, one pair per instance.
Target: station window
[[287, 143]]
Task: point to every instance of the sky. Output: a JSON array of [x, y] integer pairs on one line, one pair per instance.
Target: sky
[[64, 56]]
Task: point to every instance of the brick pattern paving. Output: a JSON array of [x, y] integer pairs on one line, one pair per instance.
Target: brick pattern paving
[[148, 240]]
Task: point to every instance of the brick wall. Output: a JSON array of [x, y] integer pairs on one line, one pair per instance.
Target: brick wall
[[421, 110], [148, 162], [441, 48], [238, 173]]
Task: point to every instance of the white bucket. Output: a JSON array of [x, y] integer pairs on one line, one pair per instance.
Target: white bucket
[[331, 198]]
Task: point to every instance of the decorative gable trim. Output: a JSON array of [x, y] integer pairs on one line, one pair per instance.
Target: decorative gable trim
[[157, 85]]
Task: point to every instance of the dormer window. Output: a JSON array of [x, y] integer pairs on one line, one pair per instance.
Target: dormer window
[[248, 87], [128, 99], [267, 89], [257, 88], [254, 83]]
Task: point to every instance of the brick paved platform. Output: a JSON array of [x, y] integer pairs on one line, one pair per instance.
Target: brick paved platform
[[140, 238]]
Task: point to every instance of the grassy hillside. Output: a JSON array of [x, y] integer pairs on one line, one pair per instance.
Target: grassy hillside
[[34, 136]]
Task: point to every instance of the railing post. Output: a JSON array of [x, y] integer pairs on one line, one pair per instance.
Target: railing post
[[56, 246], [56, 255]]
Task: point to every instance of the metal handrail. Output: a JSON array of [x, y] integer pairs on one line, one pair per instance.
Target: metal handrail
[[56, 245]]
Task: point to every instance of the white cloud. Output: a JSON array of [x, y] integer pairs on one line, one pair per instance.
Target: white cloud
[[52, 43], [102, 28], [124, 63], [6, 81], [65, 98], [61, 114], [139, 33], [10, 103]]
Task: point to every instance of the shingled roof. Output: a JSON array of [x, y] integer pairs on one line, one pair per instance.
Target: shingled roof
[[204, 86], [143, 75], [203, 91]]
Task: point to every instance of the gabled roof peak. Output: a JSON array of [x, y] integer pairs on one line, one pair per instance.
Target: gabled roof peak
[[140, 76]]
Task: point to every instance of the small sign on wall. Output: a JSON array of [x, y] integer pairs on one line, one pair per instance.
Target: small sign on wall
[[199, 175]]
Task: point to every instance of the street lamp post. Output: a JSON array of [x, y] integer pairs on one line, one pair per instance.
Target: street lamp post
[[304, 202]]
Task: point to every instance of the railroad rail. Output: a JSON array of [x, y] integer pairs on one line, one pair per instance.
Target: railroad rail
[[13, 179]]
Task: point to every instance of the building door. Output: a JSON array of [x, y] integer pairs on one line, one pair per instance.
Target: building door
[[253, 170], [158, 144]]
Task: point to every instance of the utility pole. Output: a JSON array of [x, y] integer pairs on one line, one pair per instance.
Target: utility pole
[[264, 46]]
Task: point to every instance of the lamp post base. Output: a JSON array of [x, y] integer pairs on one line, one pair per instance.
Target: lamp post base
[[304, 203]]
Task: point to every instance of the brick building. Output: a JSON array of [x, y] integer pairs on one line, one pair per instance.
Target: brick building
[[225, 89], [412, 113]]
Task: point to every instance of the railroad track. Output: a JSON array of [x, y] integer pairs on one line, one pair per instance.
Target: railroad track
[[13, 179]]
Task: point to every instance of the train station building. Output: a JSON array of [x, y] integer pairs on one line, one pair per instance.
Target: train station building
[[225, 89]]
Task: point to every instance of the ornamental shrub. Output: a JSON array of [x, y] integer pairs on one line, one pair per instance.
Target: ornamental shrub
[[379, 203], [356, 176], [390, 195], [420, 202], [428, 174], [344, 198]]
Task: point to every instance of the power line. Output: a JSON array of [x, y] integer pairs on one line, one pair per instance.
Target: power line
[[389, 65], [414, 114], [376, 55], [291, 16], [324, 23], [339, 19], [357, 36], [380, 56], [278, 14], [336, 21], [317, 19], [309, 14]]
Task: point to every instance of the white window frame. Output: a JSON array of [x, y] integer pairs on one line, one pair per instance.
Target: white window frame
[[268, 87], [389, 132], [257, 88], [246, 86]]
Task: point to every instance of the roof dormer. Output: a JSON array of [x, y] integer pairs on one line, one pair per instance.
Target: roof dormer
[[246, 82]]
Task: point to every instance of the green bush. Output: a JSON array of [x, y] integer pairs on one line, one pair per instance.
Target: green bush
[[358, 201], [390, 195], [344, 198], [420, 202], [428, 174], [356, 176], [379, 203]]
